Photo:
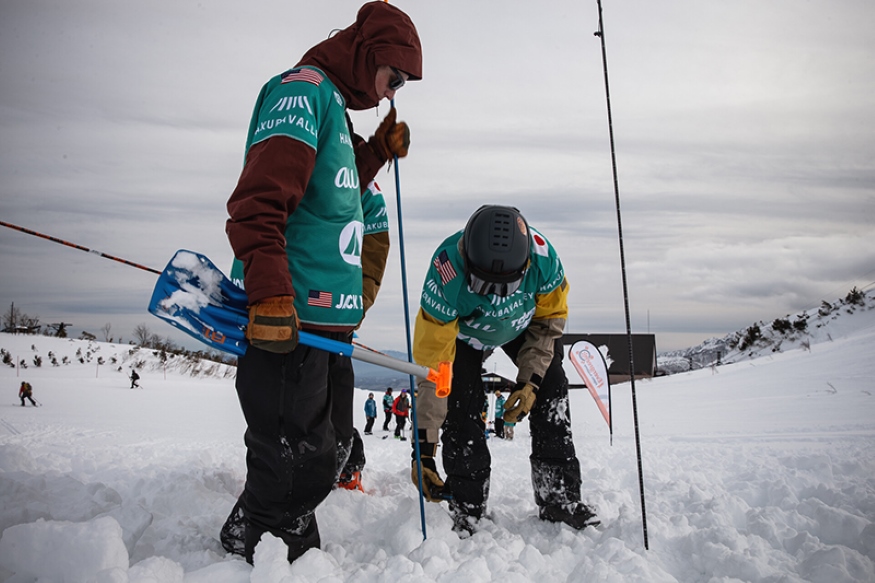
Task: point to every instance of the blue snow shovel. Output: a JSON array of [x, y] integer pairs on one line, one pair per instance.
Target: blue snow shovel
[[193, 295]]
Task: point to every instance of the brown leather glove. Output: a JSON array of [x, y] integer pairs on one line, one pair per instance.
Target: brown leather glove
[[520, 402], [391, 139], [432, 484], [273, 324]]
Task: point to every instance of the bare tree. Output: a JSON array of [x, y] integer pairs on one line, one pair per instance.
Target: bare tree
[[167, 344], [106, 329], [62, 330], [17, 321], [143, 336], [31, 323], [11, 318]]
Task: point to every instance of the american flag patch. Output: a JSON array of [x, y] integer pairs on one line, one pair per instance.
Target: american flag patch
[[319, 299], [308, 75], [444, 267]]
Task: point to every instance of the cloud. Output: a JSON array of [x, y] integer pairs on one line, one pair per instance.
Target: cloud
[[744, 148]]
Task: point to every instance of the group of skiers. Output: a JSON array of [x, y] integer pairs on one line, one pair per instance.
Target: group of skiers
[[309, 233], [397, 407]]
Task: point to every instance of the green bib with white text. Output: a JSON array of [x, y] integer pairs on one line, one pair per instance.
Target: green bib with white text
[[324, 233], [488, 321]]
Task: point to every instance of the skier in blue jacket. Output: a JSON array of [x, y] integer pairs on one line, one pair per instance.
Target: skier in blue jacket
[[370, 414]]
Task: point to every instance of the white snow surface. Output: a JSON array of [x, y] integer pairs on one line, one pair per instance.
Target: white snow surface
[[762, 470]]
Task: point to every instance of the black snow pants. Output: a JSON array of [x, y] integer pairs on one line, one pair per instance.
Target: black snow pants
[[299, 410], [555, 467]]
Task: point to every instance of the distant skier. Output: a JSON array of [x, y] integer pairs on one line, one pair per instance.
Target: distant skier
[[388, 399], [26, 392], [401, 409], [370, 414], [134, 378], [499, 414]]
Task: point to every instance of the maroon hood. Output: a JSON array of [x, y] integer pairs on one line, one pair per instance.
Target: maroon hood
[[382, 35]]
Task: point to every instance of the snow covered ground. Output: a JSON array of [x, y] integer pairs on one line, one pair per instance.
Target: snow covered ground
[[762, 470]]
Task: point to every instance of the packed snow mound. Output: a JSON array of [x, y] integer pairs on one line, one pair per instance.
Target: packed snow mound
[[856, 311]]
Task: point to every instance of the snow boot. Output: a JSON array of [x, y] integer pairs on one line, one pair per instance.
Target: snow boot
[[576, 515], [234, 531], [463, 525], [350, 481], [298, 544], [465, 521]]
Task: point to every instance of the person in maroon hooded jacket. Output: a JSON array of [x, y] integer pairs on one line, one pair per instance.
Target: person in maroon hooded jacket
[[296, 224]]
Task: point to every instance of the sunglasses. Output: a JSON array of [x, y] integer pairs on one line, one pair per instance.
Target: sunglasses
[[486, 288], [398, 81]]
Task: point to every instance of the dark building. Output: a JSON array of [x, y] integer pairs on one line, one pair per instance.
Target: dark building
[[493, 382]]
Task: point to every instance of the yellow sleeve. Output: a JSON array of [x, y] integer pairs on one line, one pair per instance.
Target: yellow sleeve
[[553, 304], [434, 341]]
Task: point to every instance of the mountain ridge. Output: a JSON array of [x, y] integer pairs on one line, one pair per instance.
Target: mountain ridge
[[798, 331]]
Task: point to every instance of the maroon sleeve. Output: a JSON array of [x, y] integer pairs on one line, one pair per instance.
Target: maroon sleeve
[[367, 162], [273, 182]]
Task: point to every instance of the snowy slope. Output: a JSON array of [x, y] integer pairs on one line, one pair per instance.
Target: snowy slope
[[799, 330], [762, 470]]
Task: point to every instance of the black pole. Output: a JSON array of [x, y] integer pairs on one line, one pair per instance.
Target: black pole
[[601, 35], [610, 413]]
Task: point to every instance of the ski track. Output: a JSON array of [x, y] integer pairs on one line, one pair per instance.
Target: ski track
[[746, 479]]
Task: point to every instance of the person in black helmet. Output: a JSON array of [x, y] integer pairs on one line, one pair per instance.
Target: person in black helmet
[[497, 283]]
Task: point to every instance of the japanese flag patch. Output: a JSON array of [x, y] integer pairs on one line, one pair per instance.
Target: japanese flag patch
[[540, 244]]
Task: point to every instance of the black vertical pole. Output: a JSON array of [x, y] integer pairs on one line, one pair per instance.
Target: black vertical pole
[[601, 35]]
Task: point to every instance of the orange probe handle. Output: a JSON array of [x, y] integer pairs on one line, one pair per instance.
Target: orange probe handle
[[442, 378]]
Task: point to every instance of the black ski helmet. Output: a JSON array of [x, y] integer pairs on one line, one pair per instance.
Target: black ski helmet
[[495, 248]]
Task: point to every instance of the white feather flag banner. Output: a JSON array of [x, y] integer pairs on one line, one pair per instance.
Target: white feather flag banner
[[591, 366]]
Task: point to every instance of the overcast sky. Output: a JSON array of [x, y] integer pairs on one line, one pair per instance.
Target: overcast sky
[[745, 143]]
